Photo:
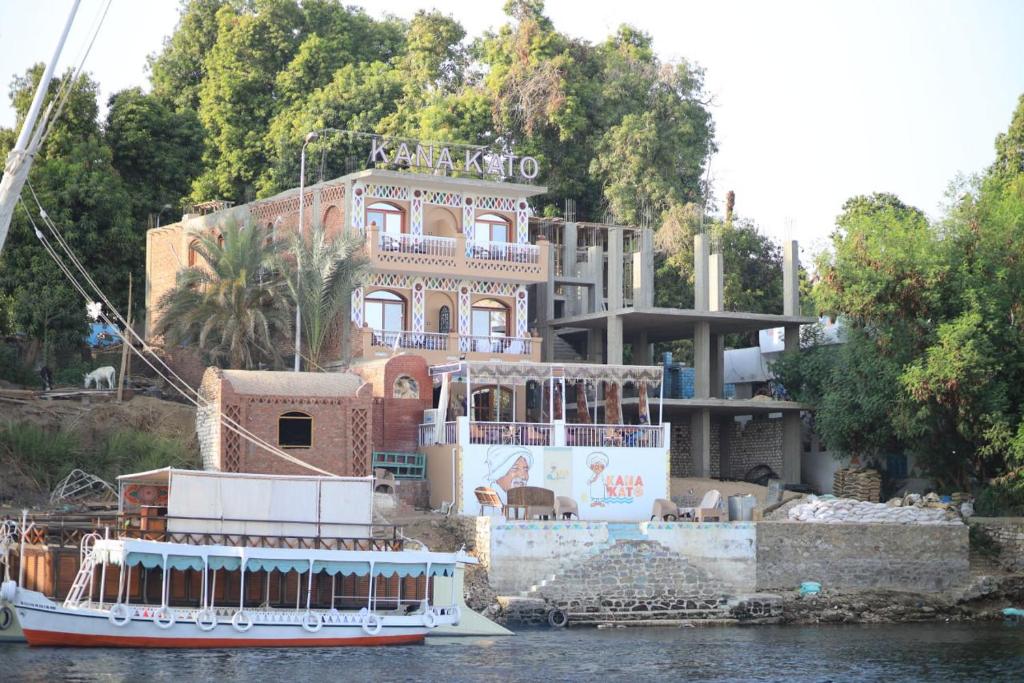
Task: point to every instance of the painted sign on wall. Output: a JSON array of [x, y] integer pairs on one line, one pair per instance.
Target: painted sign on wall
[[608, 484]]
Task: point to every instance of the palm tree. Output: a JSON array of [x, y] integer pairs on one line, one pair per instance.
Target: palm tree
[[328, 269], [234, 305]]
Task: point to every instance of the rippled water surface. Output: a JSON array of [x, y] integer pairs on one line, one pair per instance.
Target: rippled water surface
[[939, 652]]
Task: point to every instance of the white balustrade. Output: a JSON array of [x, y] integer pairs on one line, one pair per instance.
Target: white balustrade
[[423, 341], [514, 346], [428, 434], [428, 245], [503, 251], [515, 433], [603, 436]]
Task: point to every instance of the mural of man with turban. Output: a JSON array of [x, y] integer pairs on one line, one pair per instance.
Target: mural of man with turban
[[507, 468], [597, 462]]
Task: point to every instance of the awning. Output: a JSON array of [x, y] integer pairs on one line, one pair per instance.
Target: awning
[[345, 568], [154, 560], [387, 569], [255, 564], [521, 372]]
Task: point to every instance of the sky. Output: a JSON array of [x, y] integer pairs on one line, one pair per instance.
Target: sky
[[813, 102]]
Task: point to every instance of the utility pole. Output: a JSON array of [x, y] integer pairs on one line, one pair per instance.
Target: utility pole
[[311, 136], [19, 160], [125, 341]]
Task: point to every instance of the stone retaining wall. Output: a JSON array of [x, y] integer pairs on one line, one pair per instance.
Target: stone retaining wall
[[1008, 535], [915, 558]]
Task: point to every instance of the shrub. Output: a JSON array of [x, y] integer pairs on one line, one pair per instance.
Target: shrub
[[43, 456], [131, 450], [13, 370], [1003, 497]]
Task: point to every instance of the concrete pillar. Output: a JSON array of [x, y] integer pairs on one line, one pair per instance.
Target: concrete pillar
[[595, 346], [700, 442], [700, 273], [790, 278], [641, 349], [716, 366], [791, 338], [614, 355], [791, 447], [569, 250], [716, 283], [614, 269], [545, 304], [702, 360], [643, 271], [595, 274], [725, 427]]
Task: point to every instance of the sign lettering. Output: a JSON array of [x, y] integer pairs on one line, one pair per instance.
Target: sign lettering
[[479, 161]]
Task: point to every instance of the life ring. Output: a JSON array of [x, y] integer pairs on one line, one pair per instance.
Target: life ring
[[6, 618], [558, 619], [159, 617], [8, 591], [429, 619], [206, 620], [456, 615], [237, 620], [372, 624], [118, 615], [312, 622]]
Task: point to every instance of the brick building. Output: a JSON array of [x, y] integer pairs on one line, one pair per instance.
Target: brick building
[[324, 419]]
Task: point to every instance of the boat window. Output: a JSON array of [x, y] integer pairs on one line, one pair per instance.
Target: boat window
[[295, 430]]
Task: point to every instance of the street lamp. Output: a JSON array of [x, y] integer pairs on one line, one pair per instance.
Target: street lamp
[[311, 136], [159, 213]]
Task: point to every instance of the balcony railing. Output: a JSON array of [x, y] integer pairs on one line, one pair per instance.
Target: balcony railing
[[503, 251], [425, 341], [429, 434], [515, 346], [514, 433], [443, 247], [547, 434], [596, 436]]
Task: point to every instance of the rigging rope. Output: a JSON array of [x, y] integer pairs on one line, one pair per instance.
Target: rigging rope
[[231, 424]]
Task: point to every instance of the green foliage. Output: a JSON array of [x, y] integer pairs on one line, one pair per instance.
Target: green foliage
[[12, 369], [320, 281], [1003, 496], [44, 456], [234, 306]]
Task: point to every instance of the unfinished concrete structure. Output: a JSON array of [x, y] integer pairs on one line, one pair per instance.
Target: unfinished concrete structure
[[600, 297]]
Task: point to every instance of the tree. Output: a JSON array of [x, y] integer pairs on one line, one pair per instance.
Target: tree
[[320, 280], [157, 150], [234, 306], [177, 73], [76, 183]]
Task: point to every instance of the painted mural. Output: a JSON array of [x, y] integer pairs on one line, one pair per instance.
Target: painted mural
[[608, 484]]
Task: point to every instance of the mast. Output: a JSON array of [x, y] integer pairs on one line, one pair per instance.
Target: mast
[[19, 160]]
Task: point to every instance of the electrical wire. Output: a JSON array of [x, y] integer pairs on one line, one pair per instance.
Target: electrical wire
[[231, 424]]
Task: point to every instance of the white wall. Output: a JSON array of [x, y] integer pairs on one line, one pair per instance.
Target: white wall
[[726, 550]]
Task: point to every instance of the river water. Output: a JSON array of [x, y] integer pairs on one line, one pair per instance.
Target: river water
[[913, 652]]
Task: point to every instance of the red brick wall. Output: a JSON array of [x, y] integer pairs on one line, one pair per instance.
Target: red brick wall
[[397, 420]]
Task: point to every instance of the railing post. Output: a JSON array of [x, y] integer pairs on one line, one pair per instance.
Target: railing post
[[460, 253], [666, 435], [558, 435], [462, 430]]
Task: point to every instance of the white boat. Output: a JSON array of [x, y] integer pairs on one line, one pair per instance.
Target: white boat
[[91, 617]]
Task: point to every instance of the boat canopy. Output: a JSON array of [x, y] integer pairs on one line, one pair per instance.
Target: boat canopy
[[153, 554]]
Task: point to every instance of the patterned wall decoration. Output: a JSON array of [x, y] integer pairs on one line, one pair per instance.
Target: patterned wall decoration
[[416, 213], [357, 306], [395, 192], [359, 424], [496, 204], [465, 315], [358, 206], [332, 194], [522, 311], [468, 223], [523, 222], [450, 199], [232, 458], [419, 305], [441, 284]]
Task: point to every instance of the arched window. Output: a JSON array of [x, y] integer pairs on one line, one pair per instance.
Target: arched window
[[444, 320], [295, 430], [193, 253], [387, 217], [491, 227], [490, 318], [384, 310]]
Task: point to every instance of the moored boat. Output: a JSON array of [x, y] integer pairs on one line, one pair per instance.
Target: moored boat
[[91, 617]]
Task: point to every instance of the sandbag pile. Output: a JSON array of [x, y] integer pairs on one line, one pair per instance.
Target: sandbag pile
[[858, 484], [847, 511]]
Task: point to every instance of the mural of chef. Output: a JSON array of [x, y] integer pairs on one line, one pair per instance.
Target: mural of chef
[[507, 468], [597, 462]]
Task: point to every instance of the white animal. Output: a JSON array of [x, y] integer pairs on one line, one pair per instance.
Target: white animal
[[101, 375]]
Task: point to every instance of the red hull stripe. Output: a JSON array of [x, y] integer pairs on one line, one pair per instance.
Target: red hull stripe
[[55, 638]]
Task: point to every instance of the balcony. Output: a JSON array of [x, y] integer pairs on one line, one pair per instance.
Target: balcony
[[442, 347], [557, 433], [457, 257]]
